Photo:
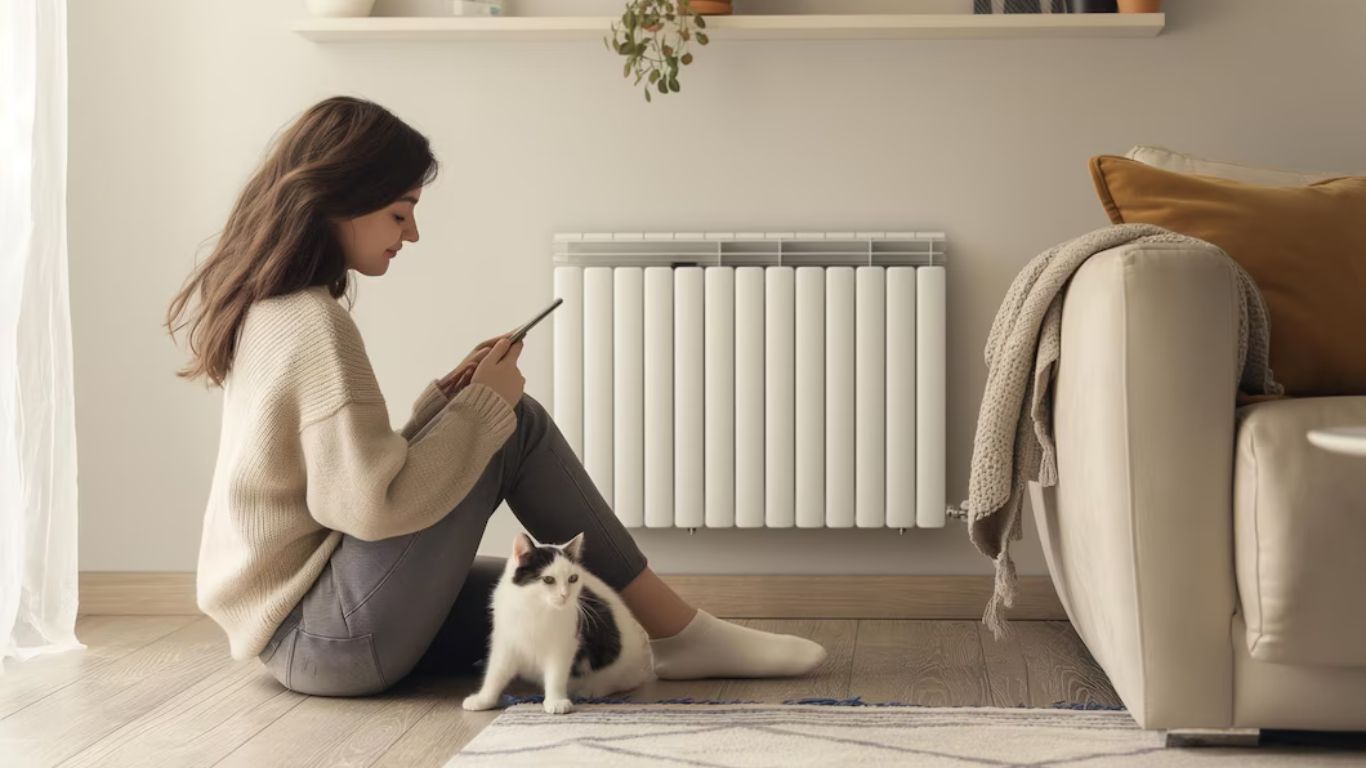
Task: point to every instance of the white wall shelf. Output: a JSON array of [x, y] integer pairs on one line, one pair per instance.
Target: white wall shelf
[[739, 27]]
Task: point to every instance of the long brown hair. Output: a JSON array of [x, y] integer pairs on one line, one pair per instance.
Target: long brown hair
[[344, 157]]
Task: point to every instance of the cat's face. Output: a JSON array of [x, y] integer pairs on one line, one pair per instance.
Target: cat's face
[[552, 573]]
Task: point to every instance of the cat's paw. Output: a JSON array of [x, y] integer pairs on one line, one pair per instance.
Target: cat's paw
[[476, 702], [558, 706]]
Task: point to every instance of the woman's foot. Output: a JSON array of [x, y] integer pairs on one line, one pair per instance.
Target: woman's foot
[[711, 647]]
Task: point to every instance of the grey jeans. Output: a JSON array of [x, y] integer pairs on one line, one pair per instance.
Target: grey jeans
[[381, 609]]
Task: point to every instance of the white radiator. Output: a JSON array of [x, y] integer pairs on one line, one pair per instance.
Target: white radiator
[[755, 379]]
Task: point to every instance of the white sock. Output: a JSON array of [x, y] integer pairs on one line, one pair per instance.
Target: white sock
[[711, 647]]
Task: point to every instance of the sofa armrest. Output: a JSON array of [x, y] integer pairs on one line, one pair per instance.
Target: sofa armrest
[[1138, 532]]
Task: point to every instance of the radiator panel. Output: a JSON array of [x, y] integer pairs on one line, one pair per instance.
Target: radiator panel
[[689, 429], [659, 407], [779, 398], [901, 398], [870, 388], [839, 397], [742, 392], [598, 454], [719, 416], [931, 352], [809, 370], [749, 397]]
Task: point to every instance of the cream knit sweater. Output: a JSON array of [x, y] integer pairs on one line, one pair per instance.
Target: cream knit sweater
[[306, 453]]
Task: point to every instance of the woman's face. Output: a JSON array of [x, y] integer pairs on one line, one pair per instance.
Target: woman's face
[[371, 240]]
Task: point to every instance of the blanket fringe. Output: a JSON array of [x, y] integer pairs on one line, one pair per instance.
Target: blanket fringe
[[1002, 597], [1048, 467]]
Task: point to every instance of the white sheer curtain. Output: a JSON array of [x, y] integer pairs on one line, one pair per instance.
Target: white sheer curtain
[[38, 594]]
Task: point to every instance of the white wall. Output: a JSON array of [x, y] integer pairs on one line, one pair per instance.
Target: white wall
[[172, 103]]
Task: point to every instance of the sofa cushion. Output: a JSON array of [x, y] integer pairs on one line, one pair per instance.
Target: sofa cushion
[[1299, 534], [1304, 245], [1180, 162]]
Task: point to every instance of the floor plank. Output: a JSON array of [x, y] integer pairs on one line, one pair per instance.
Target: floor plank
[[106, 638], [56, 727], [341, 731], [1060, 668], [829, 681], [669, 690], [198, 726], [443, 731], [1006, 671], [931, 663]]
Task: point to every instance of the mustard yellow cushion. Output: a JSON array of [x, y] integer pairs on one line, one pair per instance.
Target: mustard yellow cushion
[[1305, 246]]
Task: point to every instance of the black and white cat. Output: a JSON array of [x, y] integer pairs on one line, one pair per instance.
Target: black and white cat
[[556, 624]]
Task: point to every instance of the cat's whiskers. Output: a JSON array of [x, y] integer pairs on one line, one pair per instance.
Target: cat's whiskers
[[586, 616]]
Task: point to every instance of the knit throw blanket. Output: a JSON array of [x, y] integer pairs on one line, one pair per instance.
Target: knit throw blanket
[[1014, 441]]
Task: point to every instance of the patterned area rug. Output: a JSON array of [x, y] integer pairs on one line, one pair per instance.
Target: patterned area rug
[[786, 736]]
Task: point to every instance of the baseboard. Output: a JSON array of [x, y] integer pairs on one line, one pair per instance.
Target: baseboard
[[731, 596], [861, 597], [137, 593]]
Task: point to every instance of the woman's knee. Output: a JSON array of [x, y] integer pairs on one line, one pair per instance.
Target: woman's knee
[[530, 405], [534, 422]]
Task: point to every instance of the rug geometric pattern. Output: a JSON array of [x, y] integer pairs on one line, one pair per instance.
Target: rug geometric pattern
[[790, 736]]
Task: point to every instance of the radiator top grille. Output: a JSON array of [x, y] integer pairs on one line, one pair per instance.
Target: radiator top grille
[[745, 249]]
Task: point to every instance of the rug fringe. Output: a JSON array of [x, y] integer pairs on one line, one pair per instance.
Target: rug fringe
[[857, 701], [1089, 706]]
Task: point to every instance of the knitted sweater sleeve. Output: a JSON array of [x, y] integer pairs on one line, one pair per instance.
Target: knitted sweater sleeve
[[365, 480], [428, 404]]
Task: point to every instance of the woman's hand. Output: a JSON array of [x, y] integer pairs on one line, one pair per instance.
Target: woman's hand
[[459, 378], [498, 370]]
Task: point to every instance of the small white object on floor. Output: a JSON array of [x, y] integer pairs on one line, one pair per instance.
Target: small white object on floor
[[711, 647]]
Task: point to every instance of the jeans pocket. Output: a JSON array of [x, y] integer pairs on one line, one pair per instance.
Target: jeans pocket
[[272, 648], [284, 635], [334, 666]]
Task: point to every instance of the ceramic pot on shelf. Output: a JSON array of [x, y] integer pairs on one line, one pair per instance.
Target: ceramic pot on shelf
[[340, 7], [711, 7], [1140, 6]]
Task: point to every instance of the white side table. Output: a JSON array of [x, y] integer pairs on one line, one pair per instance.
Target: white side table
[[1350, 440]]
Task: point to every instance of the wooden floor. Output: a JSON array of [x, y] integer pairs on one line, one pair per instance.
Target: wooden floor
[[161, 690]]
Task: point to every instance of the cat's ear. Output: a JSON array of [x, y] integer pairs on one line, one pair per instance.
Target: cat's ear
[[574, 548], [522, 545]]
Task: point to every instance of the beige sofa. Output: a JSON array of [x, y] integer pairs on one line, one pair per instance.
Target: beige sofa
[[1213, 561]]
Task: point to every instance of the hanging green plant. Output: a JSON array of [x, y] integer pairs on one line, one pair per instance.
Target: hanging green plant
[[653, 36]]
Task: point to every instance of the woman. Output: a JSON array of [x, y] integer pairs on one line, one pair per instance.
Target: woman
[[339, 552]]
